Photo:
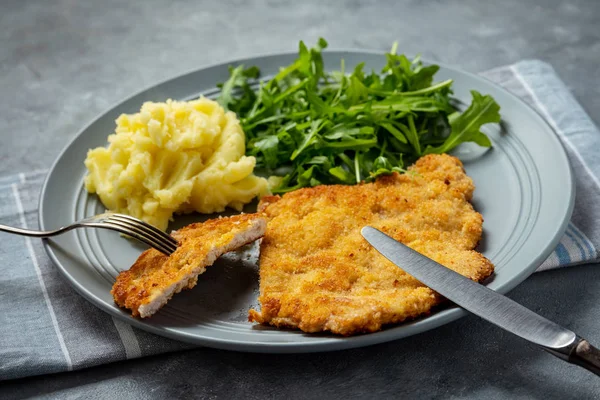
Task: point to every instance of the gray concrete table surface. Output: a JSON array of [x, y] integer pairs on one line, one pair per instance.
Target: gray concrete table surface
[[63, 62]]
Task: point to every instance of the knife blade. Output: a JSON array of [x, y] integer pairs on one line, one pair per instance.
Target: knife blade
[[486, 303]]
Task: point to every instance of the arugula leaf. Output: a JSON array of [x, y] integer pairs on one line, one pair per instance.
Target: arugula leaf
[[236, 79], [466, 126], [342, 175], [309, 139], [394, 131], [268, 147], [423, 77], [412, 135]]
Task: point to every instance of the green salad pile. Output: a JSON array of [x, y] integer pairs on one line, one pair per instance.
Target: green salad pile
[[307, 126]]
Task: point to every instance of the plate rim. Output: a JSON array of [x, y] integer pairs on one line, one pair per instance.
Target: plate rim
[[330, 343]]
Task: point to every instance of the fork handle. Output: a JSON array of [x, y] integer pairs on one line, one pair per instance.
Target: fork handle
[[28, 232]]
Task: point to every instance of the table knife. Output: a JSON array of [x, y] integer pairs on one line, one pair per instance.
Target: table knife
[[487, 304]]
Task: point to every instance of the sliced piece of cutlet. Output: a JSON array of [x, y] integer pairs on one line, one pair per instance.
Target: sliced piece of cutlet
[[154, 278]]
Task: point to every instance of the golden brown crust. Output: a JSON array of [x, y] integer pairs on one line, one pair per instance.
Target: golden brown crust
[[154, 278], [317, 273]]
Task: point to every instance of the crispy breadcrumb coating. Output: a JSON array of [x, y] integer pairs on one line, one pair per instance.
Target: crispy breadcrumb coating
[[317, 273], [154, 278]]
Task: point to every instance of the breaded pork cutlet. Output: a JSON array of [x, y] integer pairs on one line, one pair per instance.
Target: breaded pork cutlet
[[154, 278], [317, 273]]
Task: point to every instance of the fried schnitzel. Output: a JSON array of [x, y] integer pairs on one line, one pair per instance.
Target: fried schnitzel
[[317, 273], [154, 278]]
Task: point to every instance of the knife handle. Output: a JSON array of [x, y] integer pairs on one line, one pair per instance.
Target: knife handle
[[587, 356]]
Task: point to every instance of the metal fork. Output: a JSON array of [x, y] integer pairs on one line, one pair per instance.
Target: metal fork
[[126, 224]]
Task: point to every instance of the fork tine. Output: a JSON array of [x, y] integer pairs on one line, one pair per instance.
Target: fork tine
[[149, 240], [139, 223], [157, 239], [144, 226], [145, 233]]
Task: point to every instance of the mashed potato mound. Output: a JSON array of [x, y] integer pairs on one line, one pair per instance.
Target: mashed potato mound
[[174, 157]]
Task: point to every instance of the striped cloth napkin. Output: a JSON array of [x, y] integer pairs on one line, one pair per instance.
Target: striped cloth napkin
[[46, 327]]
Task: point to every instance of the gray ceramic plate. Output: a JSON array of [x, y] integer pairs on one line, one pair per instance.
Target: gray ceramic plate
[[524, 191]]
